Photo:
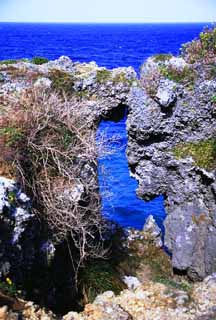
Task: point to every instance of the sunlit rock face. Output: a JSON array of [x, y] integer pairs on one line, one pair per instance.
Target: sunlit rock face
[[164, 125], [153, 301]]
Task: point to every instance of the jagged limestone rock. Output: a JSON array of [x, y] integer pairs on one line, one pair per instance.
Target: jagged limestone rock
[[188, 187]]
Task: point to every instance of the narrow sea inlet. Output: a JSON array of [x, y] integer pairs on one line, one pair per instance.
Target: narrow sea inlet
[[118, 189]]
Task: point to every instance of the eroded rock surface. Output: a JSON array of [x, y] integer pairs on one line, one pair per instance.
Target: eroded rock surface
[[175, 114], [153, 301]]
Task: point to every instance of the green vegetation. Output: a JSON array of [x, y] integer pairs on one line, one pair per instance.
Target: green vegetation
[[7, 62], [203, 48], [11, 197], [13, 61], [211, 71], [213, 99], [103, 75], [203, 152], [9, 288], [208, 39], [62, 82], [35, 60], [11, 135], [106, 75], [99, 277], [120, 77], [185, 76], [162, 57], [180, 285], [158, 261], [39, 60], [148, 261]]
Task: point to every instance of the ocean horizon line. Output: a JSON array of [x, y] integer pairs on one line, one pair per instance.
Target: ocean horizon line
[[108, 23]]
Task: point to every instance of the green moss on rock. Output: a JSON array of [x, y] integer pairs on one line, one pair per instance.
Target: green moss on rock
[[202, 152]]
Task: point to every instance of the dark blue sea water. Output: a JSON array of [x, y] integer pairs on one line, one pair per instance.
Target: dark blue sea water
[[118, 189], [110, 45]]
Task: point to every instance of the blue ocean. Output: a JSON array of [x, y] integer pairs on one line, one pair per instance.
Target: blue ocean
[[110, 45]]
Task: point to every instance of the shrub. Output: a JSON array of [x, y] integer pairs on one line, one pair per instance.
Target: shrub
[[185, 76], [203, 48], [152, 77], [202, 152], [103, 75], [56, 157], [39, 60], [62, 82]]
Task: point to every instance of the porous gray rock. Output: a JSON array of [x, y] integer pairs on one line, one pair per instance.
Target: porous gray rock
[[188, 189], [166, 95]]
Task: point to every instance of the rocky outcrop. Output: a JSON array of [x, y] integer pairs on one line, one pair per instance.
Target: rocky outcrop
[[98, 89], [172, 107], [153, 301], [26, 241], [178, 114]]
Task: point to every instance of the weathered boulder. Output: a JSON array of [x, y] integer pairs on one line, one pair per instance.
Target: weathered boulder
[[166, 95]]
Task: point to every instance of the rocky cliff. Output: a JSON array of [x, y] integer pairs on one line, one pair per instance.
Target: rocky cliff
[[171, 152], [48, 118]]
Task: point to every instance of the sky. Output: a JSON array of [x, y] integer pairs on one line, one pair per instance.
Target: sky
[[108, 10]]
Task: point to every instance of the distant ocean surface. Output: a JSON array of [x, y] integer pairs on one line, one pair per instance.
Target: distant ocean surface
[[110, 45]]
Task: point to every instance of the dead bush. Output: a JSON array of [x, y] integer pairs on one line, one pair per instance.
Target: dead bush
[[55, 154]]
